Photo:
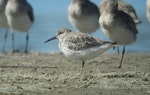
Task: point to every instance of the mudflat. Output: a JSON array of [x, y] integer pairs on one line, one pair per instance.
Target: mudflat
[[54, 74]]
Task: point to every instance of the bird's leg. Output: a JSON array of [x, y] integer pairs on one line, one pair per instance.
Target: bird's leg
[[5, 37], [13, 40], [123, 51], [83, 62], [27, 39], [118, 51]]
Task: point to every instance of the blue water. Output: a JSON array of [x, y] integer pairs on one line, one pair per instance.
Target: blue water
[[51, 15]]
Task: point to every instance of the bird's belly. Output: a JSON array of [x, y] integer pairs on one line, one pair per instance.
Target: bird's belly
[[21, 24], [86, 54], [121, 36], [86, 24]]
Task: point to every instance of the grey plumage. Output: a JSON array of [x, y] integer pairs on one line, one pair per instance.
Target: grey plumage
[[148, 10], [117, 25], [125, 7], [84, 15], [20, 17]]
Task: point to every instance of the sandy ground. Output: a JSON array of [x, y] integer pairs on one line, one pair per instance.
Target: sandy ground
[[54, 74]]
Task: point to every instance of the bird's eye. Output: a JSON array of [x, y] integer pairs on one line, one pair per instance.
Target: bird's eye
[[60, 32]]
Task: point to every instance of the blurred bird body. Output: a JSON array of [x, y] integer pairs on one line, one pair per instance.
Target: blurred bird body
[[84, 15], [20, 18], [117, 25], [148, 10]]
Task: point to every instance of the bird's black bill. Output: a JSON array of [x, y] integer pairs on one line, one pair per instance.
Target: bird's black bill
[[53, 38]]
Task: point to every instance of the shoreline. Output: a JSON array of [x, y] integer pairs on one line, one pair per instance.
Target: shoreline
[[45, 73]]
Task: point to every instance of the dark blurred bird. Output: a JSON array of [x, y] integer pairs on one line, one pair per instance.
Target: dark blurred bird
[[84, 15], [125, 7], [20, 17], [117, 25], [3, 21]]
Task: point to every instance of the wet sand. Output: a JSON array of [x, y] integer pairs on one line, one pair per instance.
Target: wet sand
[[54, 74]]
